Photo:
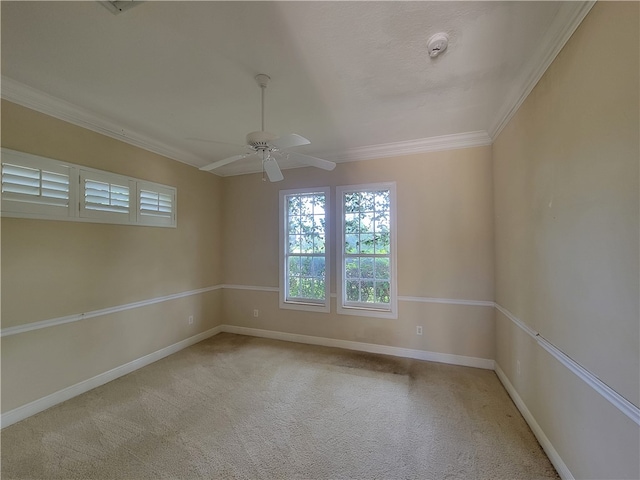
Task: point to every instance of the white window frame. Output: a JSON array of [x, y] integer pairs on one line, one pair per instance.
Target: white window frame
[[111, 179], [303, 304], [360, 309], [148, 218], [23, 206]]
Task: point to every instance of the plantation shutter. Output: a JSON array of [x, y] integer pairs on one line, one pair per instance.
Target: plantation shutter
[[156, 204], [106, 196], [34, 185]]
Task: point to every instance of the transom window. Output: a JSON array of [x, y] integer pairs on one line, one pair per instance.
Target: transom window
[[304, 260], [44, 188], [367, 242]]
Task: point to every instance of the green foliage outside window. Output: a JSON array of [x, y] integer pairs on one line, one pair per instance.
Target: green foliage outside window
[[367, 246], [306, 228]]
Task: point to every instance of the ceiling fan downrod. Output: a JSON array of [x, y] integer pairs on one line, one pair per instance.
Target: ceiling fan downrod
[[262, 80]]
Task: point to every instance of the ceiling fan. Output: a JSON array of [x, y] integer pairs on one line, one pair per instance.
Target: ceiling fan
[[268, 147]]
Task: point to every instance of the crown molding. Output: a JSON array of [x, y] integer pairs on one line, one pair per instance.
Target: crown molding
[[29, 97], [564, 24], [422, 145]]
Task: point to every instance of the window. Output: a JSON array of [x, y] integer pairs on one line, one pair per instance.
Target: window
[[34, 185], [156, 204], [367, 260], [304, 265], [105, 196], [38, 187]]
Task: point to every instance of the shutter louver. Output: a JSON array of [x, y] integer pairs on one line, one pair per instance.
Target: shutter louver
[[106, 197], [155, 203], [34, 185]]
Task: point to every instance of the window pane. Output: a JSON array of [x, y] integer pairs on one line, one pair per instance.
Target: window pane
[[294, 266], [351, 202], [366, 243], [382, 268], [366, 222], [294, 244], [306, 288], [351, 223], [366, 267], [318, 243], [352, 268], [383, 290], [351, 243], [353, 290], [382, 243], [318, 267], [294, 288], [305, 266], [366, 291], [318, 289], [306, 243]]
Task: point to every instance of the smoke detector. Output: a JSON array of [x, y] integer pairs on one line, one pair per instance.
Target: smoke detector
[[437, 44]]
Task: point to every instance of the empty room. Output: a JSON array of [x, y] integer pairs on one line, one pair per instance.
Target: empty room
[[320, 240]]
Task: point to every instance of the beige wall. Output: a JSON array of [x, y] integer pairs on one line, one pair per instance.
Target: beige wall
[[445, 250], [52, 269], [567, 215]]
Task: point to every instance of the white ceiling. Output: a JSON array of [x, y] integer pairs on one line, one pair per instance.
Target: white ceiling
[[346, 75]]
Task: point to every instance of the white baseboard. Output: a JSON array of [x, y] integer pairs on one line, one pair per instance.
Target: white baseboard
[[60, 396], [41, 404], [551, 452], [364, 347]]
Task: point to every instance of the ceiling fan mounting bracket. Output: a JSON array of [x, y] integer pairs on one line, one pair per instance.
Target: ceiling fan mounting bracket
[[262, 80]]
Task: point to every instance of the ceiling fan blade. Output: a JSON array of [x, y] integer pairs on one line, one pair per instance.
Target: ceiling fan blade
[[312, 161], [290, 140], [273, 170], [224, 161]]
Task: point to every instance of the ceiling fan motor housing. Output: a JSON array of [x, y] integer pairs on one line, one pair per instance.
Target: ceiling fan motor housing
[[260, 140]]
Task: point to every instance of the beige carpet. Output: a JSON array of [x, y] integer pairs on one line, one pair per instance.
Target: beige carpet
[[242, 407]]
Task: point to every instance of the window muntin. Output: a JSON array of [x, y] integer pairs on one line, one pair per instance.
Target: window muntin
[[304, 262], [367, 241]]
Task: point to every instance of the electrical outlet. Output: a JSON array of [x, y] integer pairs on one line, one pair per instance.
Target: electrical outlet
[[518, 367], [419, 330], [190, 319], [256, 312]]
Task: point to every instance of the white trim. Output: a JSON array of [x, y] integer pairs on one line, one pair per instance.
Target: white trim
[[621, 403], [448, 301], [411, 147], [325, 306], [32, 98], [551, 452], [617, 400], [27, 327], [529, 331], [364, 310], [476, 362], [564, 24], [39, 101], [37, 406]]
